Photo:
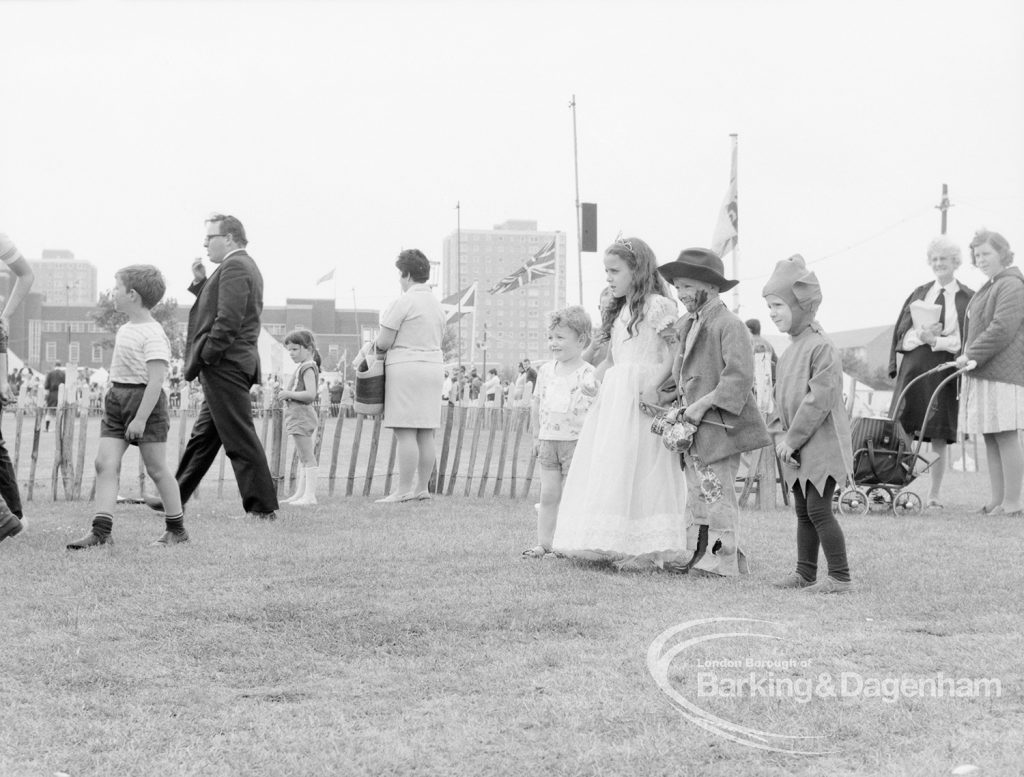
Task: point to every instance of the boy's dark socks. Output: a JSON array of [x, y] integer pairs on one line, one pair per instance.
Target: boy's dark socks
[[102, 525], [175, 523]]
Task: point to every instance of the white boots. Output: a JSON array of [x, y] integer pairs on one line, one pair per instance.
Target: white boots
[[310, 477], [300, 485], [305, 487]]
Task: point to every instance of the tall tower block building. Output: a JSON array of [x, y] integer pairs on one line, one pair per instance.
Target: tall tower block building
[[509, 326]]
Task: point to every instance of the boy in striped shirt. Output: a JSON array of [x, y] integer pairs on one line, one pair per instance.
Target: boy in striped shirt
[[135, 409]]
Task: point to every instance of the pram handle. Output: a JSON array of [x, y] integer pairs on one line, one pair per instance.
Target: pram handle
[[940, 368], [970, 365]]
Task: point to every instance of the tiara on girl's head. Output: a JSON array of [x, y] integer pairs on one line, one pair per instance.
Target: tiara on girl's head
[[619, 241]]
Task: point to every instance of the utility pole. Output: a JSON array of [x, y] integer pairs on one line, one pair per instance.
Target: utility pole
[[944, 205]]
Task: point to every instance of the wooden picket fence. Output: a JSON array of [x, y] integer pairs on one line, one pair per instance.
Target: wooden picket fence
[[482, 451]]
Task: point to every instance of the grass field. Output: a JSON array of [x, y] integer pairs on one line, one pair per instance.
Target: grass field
[[356, 638]]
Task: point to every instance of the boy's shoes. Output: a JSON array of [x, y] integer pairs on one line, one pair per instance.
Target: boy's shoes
[[154, 503], [830, 586], [90, 540], [10, 527], [793, 580], [172, 538], [271, 516]]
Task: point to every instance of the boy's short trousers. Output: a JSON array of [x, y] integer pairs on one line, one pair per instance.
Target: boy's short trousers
[[120, 407], [556, 454], [300, 419]]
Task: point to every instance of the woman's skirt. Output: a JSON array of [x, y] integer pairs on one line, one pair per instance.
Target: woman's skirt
[[942, 421], [412, 395], [990, 406]]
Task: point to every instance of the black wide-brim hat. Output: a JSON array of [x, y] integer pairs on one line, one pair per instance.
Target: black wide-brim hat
[[698, 264]]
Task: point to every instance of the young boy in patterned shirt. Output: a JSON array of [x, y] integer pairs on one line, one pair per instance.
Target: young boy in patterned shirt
[[135, 409], [566, 387]]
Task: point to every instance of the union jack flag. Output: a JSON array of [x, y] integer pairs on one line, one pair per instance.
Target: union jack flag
[[539, 265], [459, 304]]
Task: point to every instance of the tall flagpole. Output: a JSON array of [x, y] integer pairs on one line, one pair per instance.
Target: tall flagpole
[[355, 315], [458, 273], [579, 228], [736, 245]]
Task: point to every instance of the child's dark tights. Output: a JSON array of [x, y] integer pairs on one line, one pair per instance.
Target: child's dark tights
[[816, 524]]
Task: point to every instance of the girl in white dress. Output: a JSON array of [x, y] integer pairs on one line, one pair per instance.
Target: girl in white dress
[[625, 496]]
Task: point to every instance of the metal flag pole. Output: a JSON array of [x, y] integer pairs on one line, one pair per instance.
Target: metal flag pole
[[458, 274], [355, 315], [579, 227], [736, 245]]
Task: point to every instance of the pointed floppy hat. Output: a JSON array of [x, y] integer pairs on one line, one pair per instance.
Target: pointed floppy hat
[[699, 264]]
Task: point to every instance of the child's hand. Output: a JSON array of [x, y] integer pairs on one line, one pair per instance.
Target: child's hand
[[589, 386], [785, 454], [134, 431], [649, 396], [695, 412]]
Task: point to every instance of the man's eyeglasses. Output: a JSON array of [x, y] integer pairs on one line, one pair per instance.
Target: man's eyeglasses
[[208, 238]]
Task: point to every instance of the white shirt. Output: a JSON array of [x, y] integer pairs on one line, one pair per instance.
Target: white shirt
[[134, 345], [949, 339]]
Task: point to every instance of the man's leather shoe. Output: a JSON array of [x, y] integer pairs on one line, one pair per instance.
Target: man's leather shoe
[[172, 538], [90, 540], [271, 516]]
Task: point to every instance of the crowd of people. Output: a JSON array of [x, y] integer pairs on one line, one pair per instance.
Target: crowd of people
[[615, 487]]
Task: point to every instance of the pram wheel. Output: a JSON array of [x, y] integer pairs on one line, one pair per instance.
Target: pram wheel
[[879, 498], [853, 501], [907, 503]]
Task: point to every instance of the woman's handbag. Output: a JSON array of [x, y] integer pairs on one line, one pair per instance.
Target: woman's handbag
[[369, 398]]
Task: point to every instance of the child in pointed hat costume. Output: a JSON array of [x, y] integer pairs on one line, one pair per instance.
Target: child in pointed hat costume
[[714, 373], [812, 426]]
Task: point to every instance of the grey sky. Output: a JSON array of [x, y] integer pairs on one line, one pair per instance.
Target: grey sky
[[340, 132]]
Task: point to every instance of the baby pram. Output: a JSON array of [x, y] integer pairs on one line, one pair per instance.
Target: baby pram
[[886, 460]]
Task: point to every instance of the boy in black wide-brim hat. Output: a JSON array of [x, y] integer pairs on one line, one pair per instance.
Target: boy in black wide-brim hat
[[714, 373]]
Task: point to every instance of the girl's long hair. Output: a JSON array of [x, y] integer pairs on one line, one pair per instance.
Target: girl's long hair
[[647, 281], [304, 338]]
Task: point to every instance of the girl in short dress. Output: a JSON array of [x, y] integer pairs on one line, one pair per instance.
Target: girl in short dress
[[624, 499], [300, 418]]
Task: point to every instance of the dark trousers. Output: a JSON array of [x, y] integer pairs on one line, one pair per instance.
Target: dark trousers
[[226, 419], [816, 525], [9, 481]]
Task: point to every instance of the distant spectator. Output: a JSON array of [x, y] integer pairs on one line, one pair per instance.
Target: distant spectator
[[336, 392], [54, 380], [490, 388]]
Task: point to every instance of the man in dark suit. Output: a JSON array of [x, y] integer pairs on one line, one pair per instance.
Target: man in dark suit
[[221, 350], [54, 379]]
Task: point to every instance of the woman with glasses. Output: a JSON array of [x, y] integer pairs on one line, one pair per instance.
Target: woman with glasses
[[918, 349]]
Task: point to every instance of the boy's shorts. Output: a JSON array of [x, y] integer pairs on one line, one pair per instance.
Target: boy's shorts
[[120, 407], [556, 454]]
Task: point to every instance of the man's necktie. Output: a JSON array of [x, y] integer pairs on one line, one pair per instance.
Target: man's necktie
[[941, 302]]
